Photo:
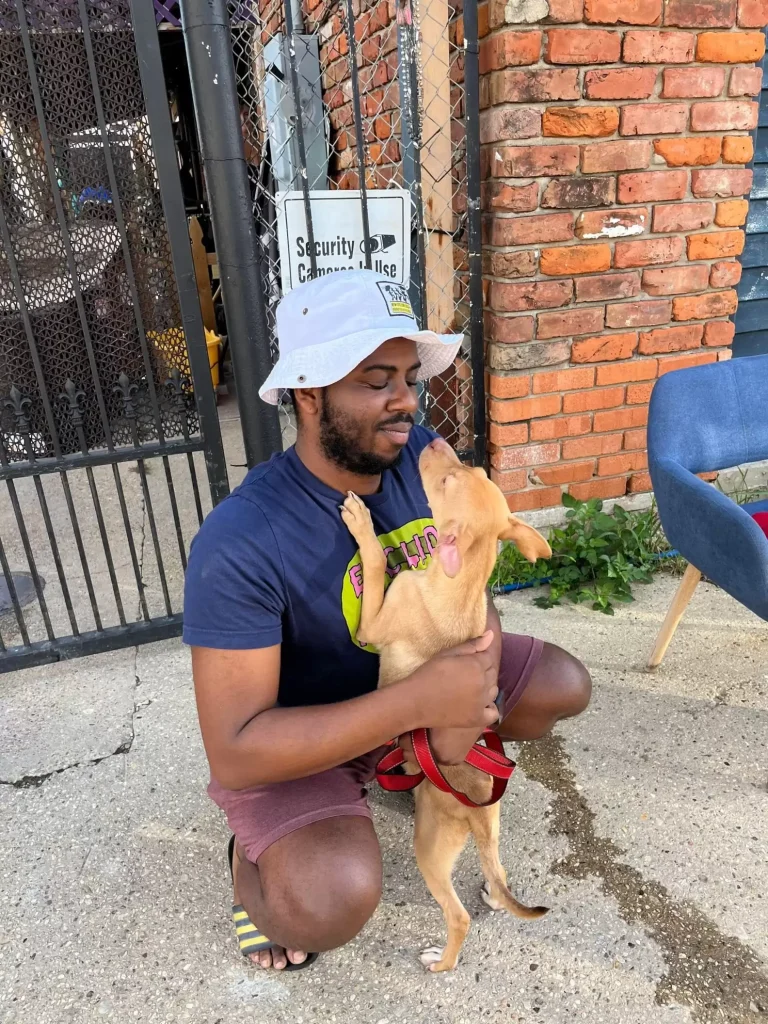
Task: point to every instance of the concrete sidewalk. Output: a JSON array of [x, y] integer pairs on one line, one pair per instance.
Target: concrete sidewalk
[[643, 825]]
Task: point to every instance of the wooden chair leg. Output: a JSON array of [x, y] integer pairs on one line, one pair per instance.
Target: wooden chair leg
[[680, 602]]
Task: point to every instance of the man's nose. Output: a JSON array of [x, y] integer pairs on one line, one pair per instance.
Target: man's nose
[[405, 398]]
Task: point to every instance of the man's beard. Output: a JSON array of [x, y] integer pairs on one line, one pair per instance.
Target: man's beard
[[340, 441]]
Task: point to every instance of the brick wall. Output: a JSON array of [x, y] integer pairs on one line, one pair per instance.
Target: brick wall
[[614, 137]]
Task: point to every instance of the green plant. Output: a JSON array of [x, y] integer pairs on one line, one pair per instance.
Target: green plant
[[596, 556]]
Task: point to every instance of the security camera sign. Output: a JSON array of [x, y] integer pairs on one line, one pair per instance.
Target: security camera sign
[[339, 241]]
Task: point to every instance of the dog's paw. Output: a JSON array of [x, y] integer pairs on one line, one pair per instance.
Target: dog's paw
[[432, 959], [489, 900], [356, 516]]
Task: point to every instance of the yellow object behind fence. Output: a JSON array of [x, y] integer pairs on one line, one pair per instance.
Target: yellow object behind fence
[[172, 345]]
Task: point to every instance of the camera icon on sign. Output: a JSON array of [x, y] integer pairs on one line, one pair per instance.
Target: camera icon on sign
[[378, 243]]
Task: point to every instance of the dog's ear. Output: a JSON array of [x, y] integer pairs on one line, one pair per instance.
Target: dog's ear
[[448, 548], [528, 541]]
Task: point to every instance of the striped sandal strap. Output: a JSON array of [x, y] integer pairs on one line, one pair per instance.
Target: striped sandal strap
[[249, 938]]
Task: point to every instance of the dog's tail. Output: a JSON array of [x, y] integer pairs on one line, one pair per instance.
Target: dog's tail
[[484, 823], [498, 897]]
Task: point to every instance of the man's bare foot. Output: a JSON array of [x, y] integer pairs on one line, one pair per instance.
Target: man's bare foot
[[274, 958]]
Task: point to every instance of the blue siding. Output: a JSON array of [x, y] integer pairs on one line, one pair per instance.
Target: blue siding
[[751, 318]]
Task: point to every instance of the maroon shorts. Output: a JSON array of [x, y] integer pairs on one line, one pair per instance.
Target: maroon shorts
[[264, 814]]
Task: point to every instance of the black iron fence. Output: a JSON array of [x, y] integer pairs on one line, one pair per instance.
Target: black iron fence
[[110, 449]]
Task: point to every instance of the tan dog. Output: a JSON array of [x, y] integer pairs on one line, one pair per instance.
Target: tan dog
[[422, 614]]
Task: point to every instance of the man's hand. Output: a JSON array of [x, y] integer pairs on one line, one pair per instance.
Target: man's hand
[[451, 746], [457, 687]]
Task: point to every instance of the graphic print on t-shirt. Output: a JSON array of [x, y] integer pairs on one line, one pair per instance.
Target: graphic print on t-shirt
[[408, 547]]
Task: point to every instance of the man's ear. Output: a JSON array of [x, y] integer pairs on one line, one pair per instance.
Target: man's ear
[[448, 549], [528, 541]]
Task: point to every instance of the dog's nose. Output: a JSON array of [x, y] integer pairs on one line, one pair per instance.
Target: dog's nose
[[439, 444]]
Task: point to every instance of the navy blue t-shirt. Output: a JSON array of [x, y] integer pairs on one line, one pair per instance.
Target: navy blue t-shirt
[[275, 564]]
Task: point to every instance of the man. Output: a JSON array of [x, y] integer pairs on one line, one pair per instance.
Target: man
[[289, 712]]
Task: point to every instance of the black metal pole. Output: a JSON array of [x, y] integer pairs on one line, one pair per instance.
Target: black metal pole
[[214, 90], [474, 225]]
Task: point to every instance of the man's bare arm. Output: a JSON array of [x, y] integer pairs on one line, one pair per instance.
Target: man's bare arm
[[250, 742]]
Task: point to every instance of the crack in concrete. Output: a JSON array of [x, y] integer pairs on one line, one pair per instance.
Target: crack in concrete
[[720, 978], [33, 781]]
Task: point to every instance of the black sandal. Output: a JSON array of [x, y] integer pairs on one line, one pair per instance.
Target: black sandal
[[249, 938]]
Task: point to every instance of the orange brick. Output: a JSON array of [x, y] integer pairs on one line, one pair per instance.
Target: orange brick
[[612, 465], [509, 387], [732, 213], [648, 252], [509, 49], [645, 313], [620, 84], [563, 380], [730, 47], [635, 439], [753, 13], [580, 122], [624, 12], [511, 433], [671, 339], [575, 259], [738, 149], [640, 482], [725, 274], [689, 152], [658, 47], [512, 480], [639, 394], [732, 116], [569, 323], [682, 216], [706, 306], [614, 488], [683, 362], [582, 46], [525, 455], [691, 83], [508, 330], [653, 186], [538, 497], [566, 473], [524, 408], [621, 155], [596, 444], [715, 245], [597, 398], [654, 118], [623, 373], [623, 419], [719, 332], [560, 426], [673, 280], [604, 348]]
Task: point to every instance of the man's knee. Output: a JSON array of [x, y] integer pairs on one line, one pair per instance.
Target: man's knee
[[575, 682], [324, 913], [321, 884]]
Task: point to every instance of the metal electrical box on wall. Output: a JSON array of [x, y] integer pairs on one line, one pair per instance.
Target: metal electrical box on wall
[[281, 112]]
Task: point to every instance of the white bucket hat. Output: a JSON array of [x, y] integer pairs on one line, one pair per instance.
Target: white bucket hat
[[326, 327]]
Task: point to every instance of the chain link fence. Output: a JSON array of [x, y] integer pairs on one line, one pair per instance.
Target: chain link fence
[[382, 104]]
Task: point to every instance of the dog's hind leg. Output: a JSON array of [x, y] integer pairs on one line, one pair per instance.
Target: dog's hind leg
[[438, 842], [484, 822]]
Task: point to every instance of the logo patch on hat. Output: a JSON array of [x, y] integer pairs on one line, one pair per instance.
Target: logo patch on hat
[[396, 298]]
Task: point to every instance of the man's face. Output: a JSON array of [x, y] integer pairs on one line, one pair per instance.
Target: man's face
[[366, 418]]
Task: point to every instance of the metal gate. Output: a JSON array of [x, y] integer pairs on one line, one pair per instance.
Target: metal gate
[[361, 95], [108, 424]]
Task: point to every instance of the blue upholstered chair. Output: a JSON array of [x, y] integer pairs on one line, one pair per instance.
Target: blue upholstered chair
[[704, 419]]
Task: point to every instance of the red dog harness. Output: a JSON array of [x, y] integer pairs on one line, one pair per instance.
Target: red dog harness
[[490, 759]]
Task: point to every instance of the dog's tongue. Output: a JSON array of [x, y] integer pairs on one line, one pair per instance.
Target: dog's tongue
[[448, 553]]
